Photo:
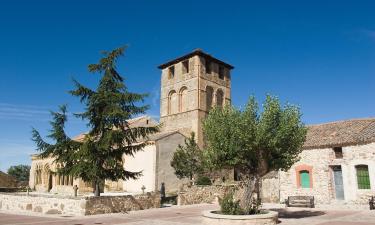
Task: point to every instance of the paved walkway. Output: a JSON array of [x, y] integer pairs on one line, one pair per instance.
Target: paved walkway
[[187, 215]]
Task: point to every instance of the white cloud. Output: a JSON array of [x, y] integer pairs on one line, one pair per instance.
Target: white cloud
[[23, 112], [26, 112]]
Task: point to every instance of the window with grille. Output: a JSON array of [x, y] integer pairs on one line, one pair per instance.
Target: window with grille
[[363, 178]]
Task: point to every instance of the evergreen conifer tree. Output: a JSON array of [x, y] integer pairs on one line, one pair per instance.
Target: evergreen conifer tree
[[187, 160], [99, 155]]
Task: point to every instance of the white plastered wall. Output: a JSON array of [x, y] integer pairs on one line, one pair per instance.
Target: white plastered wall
[[144, 161]]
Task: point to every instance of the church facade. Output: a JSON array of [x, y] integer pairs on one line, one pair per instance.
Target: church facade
[[337, 163]]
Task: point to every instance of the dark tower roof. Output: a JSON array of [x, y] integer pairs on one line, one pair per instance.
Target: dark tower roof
[[193, 53]]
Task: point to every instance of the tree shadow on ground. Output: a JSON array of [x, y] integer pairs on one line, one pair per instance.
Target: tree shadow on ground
[[287, 214]]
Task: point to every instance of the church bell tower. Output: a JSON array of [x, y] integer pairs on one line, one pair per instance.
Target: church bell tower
[[190, 86]]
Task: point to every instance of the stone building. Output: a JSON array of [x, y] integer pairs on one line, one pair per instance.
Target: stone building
[[190, 86], [336, 166]]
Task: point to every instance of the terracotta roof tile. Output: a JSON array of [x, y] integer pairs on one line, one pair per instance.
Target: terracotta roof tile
[[340, 133]]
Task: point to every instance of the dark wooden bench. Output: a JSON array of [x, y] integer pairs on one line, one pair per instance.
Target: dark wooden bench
[[300, 201], [371, 202]]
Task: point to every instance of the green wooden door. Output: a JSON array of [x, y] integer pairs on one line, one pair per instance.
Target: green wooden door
[[305, 179]]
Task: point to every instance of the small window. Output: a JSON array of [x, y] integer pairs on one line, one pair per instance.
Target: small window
[[338, 152], [221, 72], [185, 66], [171, 72], [208, 66], [363, 178], [304, 179]]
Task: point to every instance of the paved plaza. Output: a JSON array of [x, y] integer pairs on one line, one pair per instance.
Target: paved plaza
[[192, 215]]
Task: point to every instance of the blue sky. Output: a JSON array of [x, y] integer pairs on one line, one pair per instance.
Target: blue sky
[[317, 54]]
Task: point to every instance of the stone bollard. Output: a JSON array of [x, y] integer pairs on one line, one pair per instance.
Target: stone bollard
[[75, 188]]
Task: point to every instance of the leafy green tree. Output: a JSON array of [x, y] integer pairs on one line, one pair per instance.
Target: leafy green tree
[[107, 110], [20, 172], [187, 160], [254, 142]]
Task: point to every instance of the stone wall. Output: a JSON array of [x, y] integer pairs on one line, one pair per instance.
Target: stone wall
[[165, 148], [77, 206], [318, 159], [42, 204], [352, 156], [198, 194], [116, 204], [270, 192]]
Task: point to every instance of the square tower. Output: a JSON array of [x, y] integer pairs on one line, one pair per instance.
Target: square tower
[[190, 86]]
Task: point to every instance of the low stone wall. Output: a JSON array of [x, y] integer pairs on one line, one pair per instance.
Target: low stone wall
[[16, 202], [116, 204], [198, 194], [42, 204]]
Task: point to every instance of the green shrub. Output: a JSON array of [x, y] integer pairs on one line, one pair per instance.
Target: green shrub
[[203, 180], [228, 206]]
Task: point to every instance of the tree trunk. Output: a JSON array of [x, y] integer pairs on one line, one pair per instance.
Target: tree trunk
[[258, 190], [247, 199], [97, 189]]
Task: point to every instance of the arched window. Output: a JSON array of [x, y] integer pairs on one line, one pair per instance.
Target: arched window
[[209, 97], [172, 102], [183, 99], [219, 98], [304, 178], [363, 178]]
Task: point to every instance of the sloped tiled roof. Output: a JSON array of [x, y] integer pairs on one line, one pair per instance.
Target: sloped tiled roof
[[161, 135], [340, 133]]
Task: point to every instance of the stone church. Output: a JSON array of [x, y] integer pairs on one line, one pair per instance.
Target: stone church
[[190, 86], [337, 163]]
